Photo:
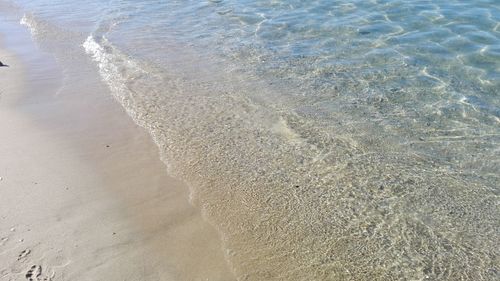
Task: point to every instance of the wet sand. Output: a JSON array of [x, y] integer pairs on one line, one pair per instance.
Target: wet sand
[[83, 193]]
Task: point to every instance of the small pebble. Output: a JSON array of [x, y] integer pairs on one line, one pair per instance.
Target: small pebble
[[12, 229]]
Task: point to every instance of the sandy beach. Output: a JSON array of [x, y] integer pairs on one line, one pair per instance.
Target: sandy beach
[[83, 193]]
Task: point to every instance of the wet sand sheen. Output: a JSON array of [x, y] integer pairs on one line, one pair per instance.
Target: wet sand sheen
[[83, 193]]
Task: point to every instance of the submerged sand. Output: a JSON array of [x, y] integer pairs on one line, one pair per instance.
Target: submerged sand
[[83, 193]]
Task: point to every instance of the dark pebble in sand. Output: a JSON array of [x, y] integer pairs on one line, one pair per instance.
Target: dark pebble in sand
[[2, 64], [107, 145]]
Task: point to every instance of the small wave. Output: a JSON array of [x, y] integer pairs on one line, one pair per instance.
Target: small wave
[[108, 59], [123, 76]]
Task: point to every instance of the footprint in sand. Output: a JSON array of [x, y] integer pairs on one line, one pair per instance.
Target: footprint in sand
[[35, 274], [23, 254]]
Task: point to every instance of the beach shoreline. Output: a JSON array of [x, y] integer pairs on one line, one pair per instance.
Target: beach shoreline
[[84, 195], [315, 140]]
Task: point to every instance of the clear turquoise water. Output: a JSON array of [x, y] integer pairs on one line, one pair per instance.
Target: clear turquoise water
[[326, 140]]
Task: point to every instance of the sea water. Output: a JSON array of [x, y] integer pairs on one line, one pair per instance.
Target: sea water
[[325, 140]]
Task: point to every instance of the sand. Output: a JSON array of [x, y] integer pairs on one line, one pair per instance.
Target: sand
[[83, 194]]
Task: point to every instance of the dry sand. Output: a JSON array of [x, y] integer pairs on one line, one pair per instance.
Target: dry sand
[[83, 194]]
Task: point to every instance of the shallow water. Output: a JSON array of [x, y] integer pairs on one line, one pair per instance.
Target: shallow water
[[326, 140]]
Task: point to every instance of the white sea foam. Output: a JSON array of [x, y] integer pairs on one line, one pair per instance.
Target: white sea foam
[[28, 21], [118, 71], [108, 60]]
